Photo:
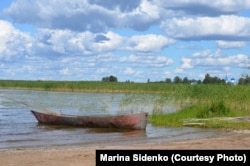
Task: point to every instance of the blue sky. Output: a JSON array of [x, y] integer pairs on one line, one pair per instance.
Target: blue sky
[[133, 40]]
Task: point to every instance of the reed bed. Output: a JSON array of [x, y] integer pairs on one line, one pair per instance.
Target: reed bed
[[207, 101], [85, 86], [189, 101]]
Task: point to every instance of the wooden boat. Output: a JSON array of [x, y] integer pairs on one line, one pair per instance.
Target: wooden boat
[[135, 121]]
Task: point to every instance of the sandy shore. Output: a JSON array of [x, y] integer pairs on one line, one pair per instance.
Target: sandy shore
[[86, 155]]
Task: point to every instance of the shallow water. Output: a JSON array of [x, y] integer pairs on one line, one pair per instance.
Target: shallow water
[[19, 128]]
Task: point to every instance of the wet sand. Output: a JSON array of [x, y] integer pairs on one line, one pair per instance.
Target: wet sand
[[79, 156]]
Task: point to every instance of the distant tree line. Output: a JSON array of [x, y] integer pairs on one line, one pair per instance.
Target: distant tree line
[[185, 80], [244, 80], [110, 79], [208, 80], [213, 80]]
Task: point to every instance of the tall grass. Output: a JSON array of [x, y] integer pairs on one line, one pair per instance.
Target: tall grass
[[206, 101], [92, 86], [190, 101]]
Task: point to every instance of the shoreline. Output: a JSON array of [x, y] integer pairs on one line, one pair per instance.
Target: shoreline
[[76, 156]]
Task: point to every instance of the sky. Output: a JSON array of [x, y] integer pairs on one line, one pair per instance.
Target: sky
[[133, 40]]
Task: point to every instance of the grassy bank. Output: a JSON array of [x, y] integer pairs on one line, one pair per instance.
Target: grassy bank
[[191, 101], [201, 105]]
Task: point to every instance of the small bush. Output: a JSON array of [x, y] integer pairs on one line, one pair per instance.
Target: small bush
[[217, 109]]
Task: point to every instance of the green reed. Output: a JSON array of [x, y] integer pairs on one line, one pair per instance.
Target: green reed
[[189, 101], [206, 101], [92, 86]]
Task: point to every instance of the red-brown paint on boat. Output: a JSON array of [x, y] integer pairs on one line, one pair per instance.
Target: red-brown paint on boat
[[135, 121]]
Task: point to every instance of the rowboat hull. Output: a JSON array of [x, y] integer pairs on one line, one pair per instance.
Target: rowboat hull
[[137, 121]]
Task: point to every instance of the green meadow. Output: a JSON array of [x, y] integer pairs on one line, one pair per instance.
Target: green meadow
[[201, 105]]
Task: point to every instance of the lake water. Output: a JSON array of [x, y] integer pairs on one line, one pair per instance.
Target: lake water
[[19, 128]]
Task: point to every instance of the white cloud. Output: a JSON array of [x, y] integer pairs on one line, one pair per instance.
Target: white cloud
[[14, 44], [75, 14], [112, 42], [129, 71], [204, 53], [231, 44], [98, 16], [148, 43], [186, 63], [66, 42], [79, 15], [163, 61], [148, 8], [209, 28], [52, 42], [205, 7], [214, 63], [207, 60], [64, 71], [81, 38], [178, 71], [147, 61]]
